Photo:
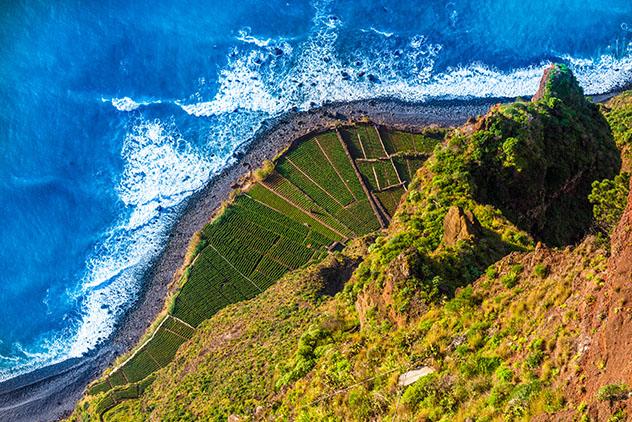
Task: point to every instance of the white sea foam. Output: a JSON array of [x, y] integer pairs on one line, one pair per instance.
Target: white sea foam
[[161, 170], [50, 350], [603, 74], [377, 31], [125, 104], [128, 104], [244, 35], [315, 73]]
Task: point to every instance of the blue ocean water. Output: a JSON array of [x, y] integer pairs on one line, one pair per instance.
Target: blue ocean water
[[112, 113]]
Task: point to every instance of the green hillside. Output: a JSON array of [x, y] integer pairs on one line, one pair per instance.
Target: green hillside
[[318, 195], [490, 279]]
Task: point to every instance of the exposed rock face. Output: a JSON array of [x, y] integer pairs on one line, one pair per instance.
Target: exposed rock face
[[539, 94], [621, 244], [459, 225], [608, 360], [558, 81], [382, 300]]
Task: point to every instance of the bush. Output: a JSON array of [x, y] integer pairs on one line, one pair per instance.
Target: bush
[[541, 270], [609, 198], [509, 280], [504, 373], [618, 416], [535, 358], [613, 392], [479, 365], [433, 394], [305, 357], [499, 394], [492, 272]]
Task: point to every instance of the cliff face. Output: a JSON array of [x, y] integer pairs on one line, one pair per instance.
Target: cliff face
[[486, 280], [608, 360]]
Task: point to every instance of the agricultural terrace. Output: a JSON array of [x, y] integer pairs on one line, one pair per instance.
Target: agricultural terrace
[[323, 191]]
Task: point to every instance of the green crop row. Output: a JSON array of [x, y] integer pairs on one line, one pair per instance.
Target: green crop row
[[351, 139], [340, 215], [281, 205], [390, 199], [273, 220], [291, 254], [396, 141], [271, 269], [336, 154], [178, 327], [310, 159], [325, 198], [370, 141], [156, 353], [367, 221], [293, 194], [119, 394], [384, 172]]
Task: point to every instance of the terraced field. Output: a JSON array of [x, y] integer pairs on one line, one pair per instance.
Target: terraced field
[[324, 190]]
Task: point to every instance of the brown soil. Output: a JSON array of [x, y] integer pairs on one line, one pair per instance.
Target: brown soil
[[609, 356]]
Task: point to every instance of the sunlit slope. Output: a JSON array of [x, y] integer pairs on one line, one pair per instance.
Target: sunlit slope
[[322, 192]]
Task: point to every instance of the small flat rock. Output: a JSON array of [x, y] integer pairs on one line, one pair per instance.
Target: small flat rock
[[411, 377]]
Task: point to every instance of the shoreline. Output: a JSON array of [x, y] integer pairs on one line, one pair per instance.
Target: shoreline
[[52, 392]]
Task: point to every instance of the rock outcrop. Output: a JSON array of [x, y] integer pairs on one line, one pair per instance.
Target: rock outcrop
[[382, 300], [459, 224], [536, 161], [541, 92]]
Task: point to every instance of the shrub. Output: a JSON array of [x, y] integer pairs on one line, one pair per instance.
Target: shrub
[[305, 357], [479, 365], [360, 403], [499, 394], [618, 416], [509, 280], [433, 394], [536, 356], [504, 373], [613, 392], [609, 198], [541, 270], [534, 359]]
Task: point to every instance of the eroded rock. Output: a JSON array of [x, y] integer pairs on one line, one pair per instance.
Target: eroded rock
[[459, 224]]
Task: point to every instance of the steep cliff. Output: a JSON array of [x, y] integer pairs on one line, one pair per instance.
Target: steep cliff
[[493, 294]]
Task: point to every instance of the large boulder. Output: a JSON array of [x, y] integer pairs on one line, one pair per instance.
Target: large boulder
[[459, 225]]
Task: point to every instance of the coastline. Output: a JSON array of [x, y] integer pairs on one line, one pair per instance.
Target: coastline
[[52, 392]]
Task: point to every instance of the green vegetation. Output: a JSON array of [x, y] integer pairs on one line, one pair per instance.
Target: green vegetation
[[609, 198], [296, 208], [618, 113], [613, 392], [514, 160], [456, 285], [541, 270]]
